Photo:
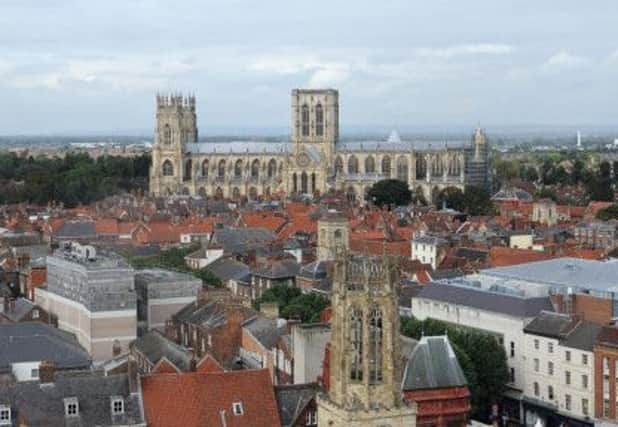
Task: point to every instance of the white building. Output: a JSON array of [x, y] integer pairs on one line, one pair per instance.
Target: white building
[[428, 250], [559, 368], [499, 314]]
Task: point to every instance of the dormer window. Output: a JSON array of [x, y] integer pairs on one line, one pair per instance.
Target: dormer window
[[117, 405], [71, 407], [5, 415], [237, 408]]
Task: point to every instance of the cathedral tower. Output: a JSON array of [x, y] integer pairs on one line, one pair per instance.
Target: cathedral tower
[[365, 355], [332, 236], [176, 126], [314, 132]]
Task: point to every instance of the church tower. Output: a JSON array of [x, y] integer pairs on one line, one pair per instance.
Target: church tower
[[365, 355], [176, 126], [332, 236], [314, 133], [477, 160]]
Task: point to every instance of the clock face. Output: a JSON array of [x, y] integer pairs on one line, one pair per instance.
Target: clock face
[[303, 160]]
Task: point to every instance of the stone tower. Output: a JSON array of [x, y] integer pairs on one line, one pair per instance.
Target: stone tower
[[332, 236], [477, 160], [365, 355], [176, 126], [314, 134]]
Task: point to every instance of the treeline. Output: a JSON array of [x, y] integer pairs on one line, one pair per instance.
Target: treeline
[[481, 357], [558, 170], [71, 180]]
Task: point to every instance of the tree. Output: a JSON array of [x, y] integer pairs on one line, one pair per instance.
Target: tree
[[530, 174], [293, 304], [389, 192], [452, 197], [478, 201], [608, 213], [208, 277]]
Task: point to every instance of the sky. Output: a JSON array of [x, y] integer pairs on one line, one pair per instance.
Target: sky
[[69, 66]]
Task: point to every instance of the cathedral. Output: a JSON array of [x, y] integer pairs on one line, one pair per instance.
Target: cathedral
[[313, 161]]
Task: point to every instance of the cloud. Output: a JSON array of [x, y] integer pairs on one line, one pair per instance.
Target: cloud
[[564, 59], [328, 77], [465, 50]]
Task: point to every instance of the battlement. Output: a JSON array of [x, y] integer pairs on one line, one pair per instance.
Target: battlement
[[356, 273], [175, 100]]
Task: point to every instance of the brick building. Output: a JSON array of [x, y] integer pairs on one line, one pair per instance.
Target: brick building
[[606, 375]]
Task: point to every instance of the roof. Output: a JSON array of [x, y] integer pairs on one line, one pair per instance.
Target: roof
[[430, 240], [229, 269], [510, 305], [432, 365], [76, 230], [280, 269], [238, 147], [563, 273], [35, 341], [242, 240], [512, 194], [394, 145], [154, 346], [160, 275], [21, 308], [43, 406], [551, 325], [292, 401], [500, 256], [203, 399], [266, 331]]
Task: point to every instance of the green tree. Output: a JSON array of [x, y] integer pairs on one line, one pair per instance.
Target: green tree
[[390, 192], [478, 201], [608, 213], [293, 304], [208, 277], [452, 197]]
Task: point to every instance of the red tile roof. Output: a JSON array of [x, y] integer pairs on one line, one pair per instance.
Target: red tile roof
[[501, 256], [209, 365], [265, 220], [198, 399], [106, 226]]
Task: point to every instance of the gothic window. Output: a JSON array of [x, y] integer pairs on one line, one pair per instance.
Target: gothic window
[[421, 167], [272, 168], [202, 192], [375, 347], [352, 165], [255, 168], [205, 168], [319, 120], [219, 191], [253, 193], [338, 238], [294, 183], [167, 135], [370, 165], [238, 168], [313, 182], [188, 167], [386, 165], [356, 345], [235, 193], [304, 119], [402, 169], [167, 168], [338, 165], [221, 169], [303, 183]]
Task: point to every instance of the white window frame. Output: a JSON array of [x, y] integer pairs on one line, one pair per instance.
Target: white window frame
[[237, 408], [114, 401], [69, 403], [5, 415]]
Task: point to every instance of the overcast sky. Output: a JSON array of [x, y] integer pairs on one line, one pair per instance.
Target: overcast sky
[[95, 66]]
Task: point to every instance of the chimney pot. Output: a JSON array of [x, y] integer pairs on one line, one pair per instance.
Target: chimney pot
[[47, 372]]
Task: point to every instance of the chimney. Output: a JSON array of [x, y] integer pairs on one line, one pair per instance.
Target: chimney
[[132, 374], [47, 372]]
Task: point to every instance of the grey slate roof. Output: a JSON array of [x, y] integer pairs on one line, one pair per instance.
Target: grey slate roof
[[43, 406], [583, 337], [229, 269], [570, 331], [154, 346], [242, 240], [485, 300], [292, 400], [433, 365], [35, 341], [266, 331], [280, 269], [22, 308], [77, 230], [238, 147]]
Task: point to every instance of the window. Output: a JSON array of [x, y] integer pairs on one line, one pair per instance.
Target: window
[[304, 118], [585, 406], [370, 165], [550, 347], [512, 349], [584, 359], [5, 415], [567, 402], [550, 392], [319, 120], [584, 381], [35, 313], [567, 377], [512, 375], [167, 135], [352, 165], [536, 388], [536, 344], [117, 406], [237, 408], [167, 168], [71, 406], [567, 355], [356, 365], [34, 373], [311, 418], [550, 368], [536, 365]]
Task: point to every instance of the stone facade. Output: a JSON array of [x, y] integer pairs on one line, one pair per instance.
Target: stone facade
[[365, 367], [332, 236], [313, 161]]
